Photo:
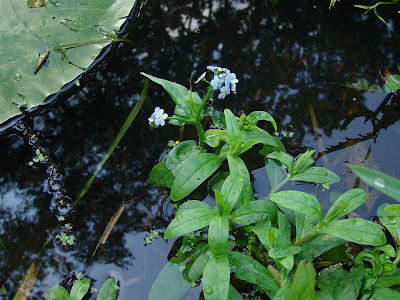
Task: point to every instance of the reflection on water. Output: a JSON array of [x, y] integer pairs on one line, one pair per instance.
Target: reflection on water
[[292, 59]]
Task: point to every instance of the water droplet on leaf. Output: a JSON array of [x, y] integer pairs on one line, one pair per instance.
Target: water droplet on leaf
[[208, 290], [379, 182], [18, 77]]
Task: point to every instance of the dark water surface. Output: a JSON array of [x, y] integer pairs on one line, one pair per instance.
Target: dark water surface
[[292, 58]]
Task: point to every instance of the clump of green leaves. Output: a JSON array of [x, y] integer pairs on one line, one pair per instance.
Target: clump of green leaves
[[108, 291], [285, 231]]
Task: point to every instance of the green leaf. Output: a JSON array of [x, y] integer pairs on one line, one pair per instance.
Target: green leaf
[[303, 284], [284, 158], [80, 288], [74, 38], [392, 223], [388, 280], [180, 152], [356, 230], [232, 127], [317, 245], [170, 284], [266, 234], [234, 294], [380, 181], [260, 136], [161, 176], [385, 294], [304, 224], [194, 173], [254, 211], [346, 203], [189, 221], [57, 292], [109, 290], [299, 201], [337, 283], [191, 204], [214, 136], [275, 172], [303, 161], [175, 90], [283, 249], [237, 166], [231, 191], [218, 235], [393, 210], [317, 175], [252, 271], [256, 116], [216, 278], [393, 82], [196, 270]]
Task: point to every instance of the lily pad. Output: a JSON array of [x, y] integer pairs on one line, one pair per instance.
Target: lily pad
[[67, 36]]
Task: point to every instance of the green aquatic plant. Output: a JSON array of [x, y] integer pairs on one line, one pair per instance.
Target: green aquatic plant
[[108, 291], [269, 242]]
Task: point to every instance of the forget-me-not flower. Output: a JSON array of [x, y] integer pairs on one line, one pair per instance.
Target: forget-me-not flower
[[217, 82], [158, 117], [224, 91]]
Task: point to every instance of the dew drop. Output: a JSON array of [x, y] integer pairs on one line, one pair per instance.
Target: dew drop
[[208, 290], [179, 217], [248, 189], [379, 182], [224, 193], [212, 239], [358, 238], [18, 77], [299, 208]]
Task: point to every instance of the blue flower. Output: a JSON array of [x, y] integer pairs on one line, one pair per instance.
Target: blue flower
[[224, 91], [230, 78], [217, 82], [158, 117]]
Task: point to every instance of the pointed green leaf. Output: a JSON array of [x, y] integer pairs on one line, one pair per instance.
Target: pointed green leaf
[[254, 211], [189, 221], [317, 245], [380, 181], [161, 176], [284, 158], [304, 224], [213, 137], [346, 203], [303, 284], [218, 235], [80, 288], [232, 127], [356, 230], [252, 271], [193, 173], [317, 175], [234, 294], [231, 191], [303, 161], [180, 152], [175, 90], [393, 210], [216, 278], [256, 116], [260, 136], [191, 204], [275, 172], [299, 201], [237, 166], [109, 290], [57, 292]]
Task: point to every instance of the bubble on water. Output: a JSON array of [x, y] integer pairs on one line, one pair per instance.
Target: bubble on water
[[379, 182]]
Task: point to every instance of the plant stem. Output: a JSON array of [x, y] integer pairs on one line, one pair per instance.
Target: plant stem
[[200, 132], [275, 189], [308, 235]]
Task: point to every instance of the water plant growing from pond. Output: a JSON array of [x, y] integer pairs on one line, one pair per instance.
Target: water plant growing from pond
[[270, 242]]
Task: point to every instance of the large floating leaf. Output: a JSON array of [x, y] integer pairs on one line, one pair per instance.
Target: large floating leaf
[[74, 32]]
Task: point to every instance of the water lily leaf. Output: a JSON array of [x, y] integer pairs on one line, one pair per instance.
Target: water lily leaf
[[68, 34]]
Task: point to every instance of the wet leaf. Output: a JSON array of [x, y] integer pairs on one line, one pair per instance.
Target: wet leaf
[[237, 166], [380, 181], [275, 173], [299, 201], [72, 35], [232, 127], [284, 158], [231, 190], [189, 221], [218, 235], [337, 284], [254, 211], [252, 271], [356, 230], [109, 290], [193, 173], [303, 284], [216, 278], [317, 245], [256, 116], [57, 292], [317, 175], [80, 288]]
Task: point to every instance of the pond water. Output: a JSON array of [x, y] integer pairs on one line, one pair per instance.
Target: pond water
[[299, 61]]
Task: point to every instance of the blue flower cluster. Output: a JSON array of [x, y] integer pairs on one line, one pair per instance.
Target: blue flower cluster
[[224, 80]]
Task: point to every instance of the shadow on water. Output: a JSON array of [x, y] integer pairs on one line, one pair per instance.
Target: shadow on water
[[294, 60]]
